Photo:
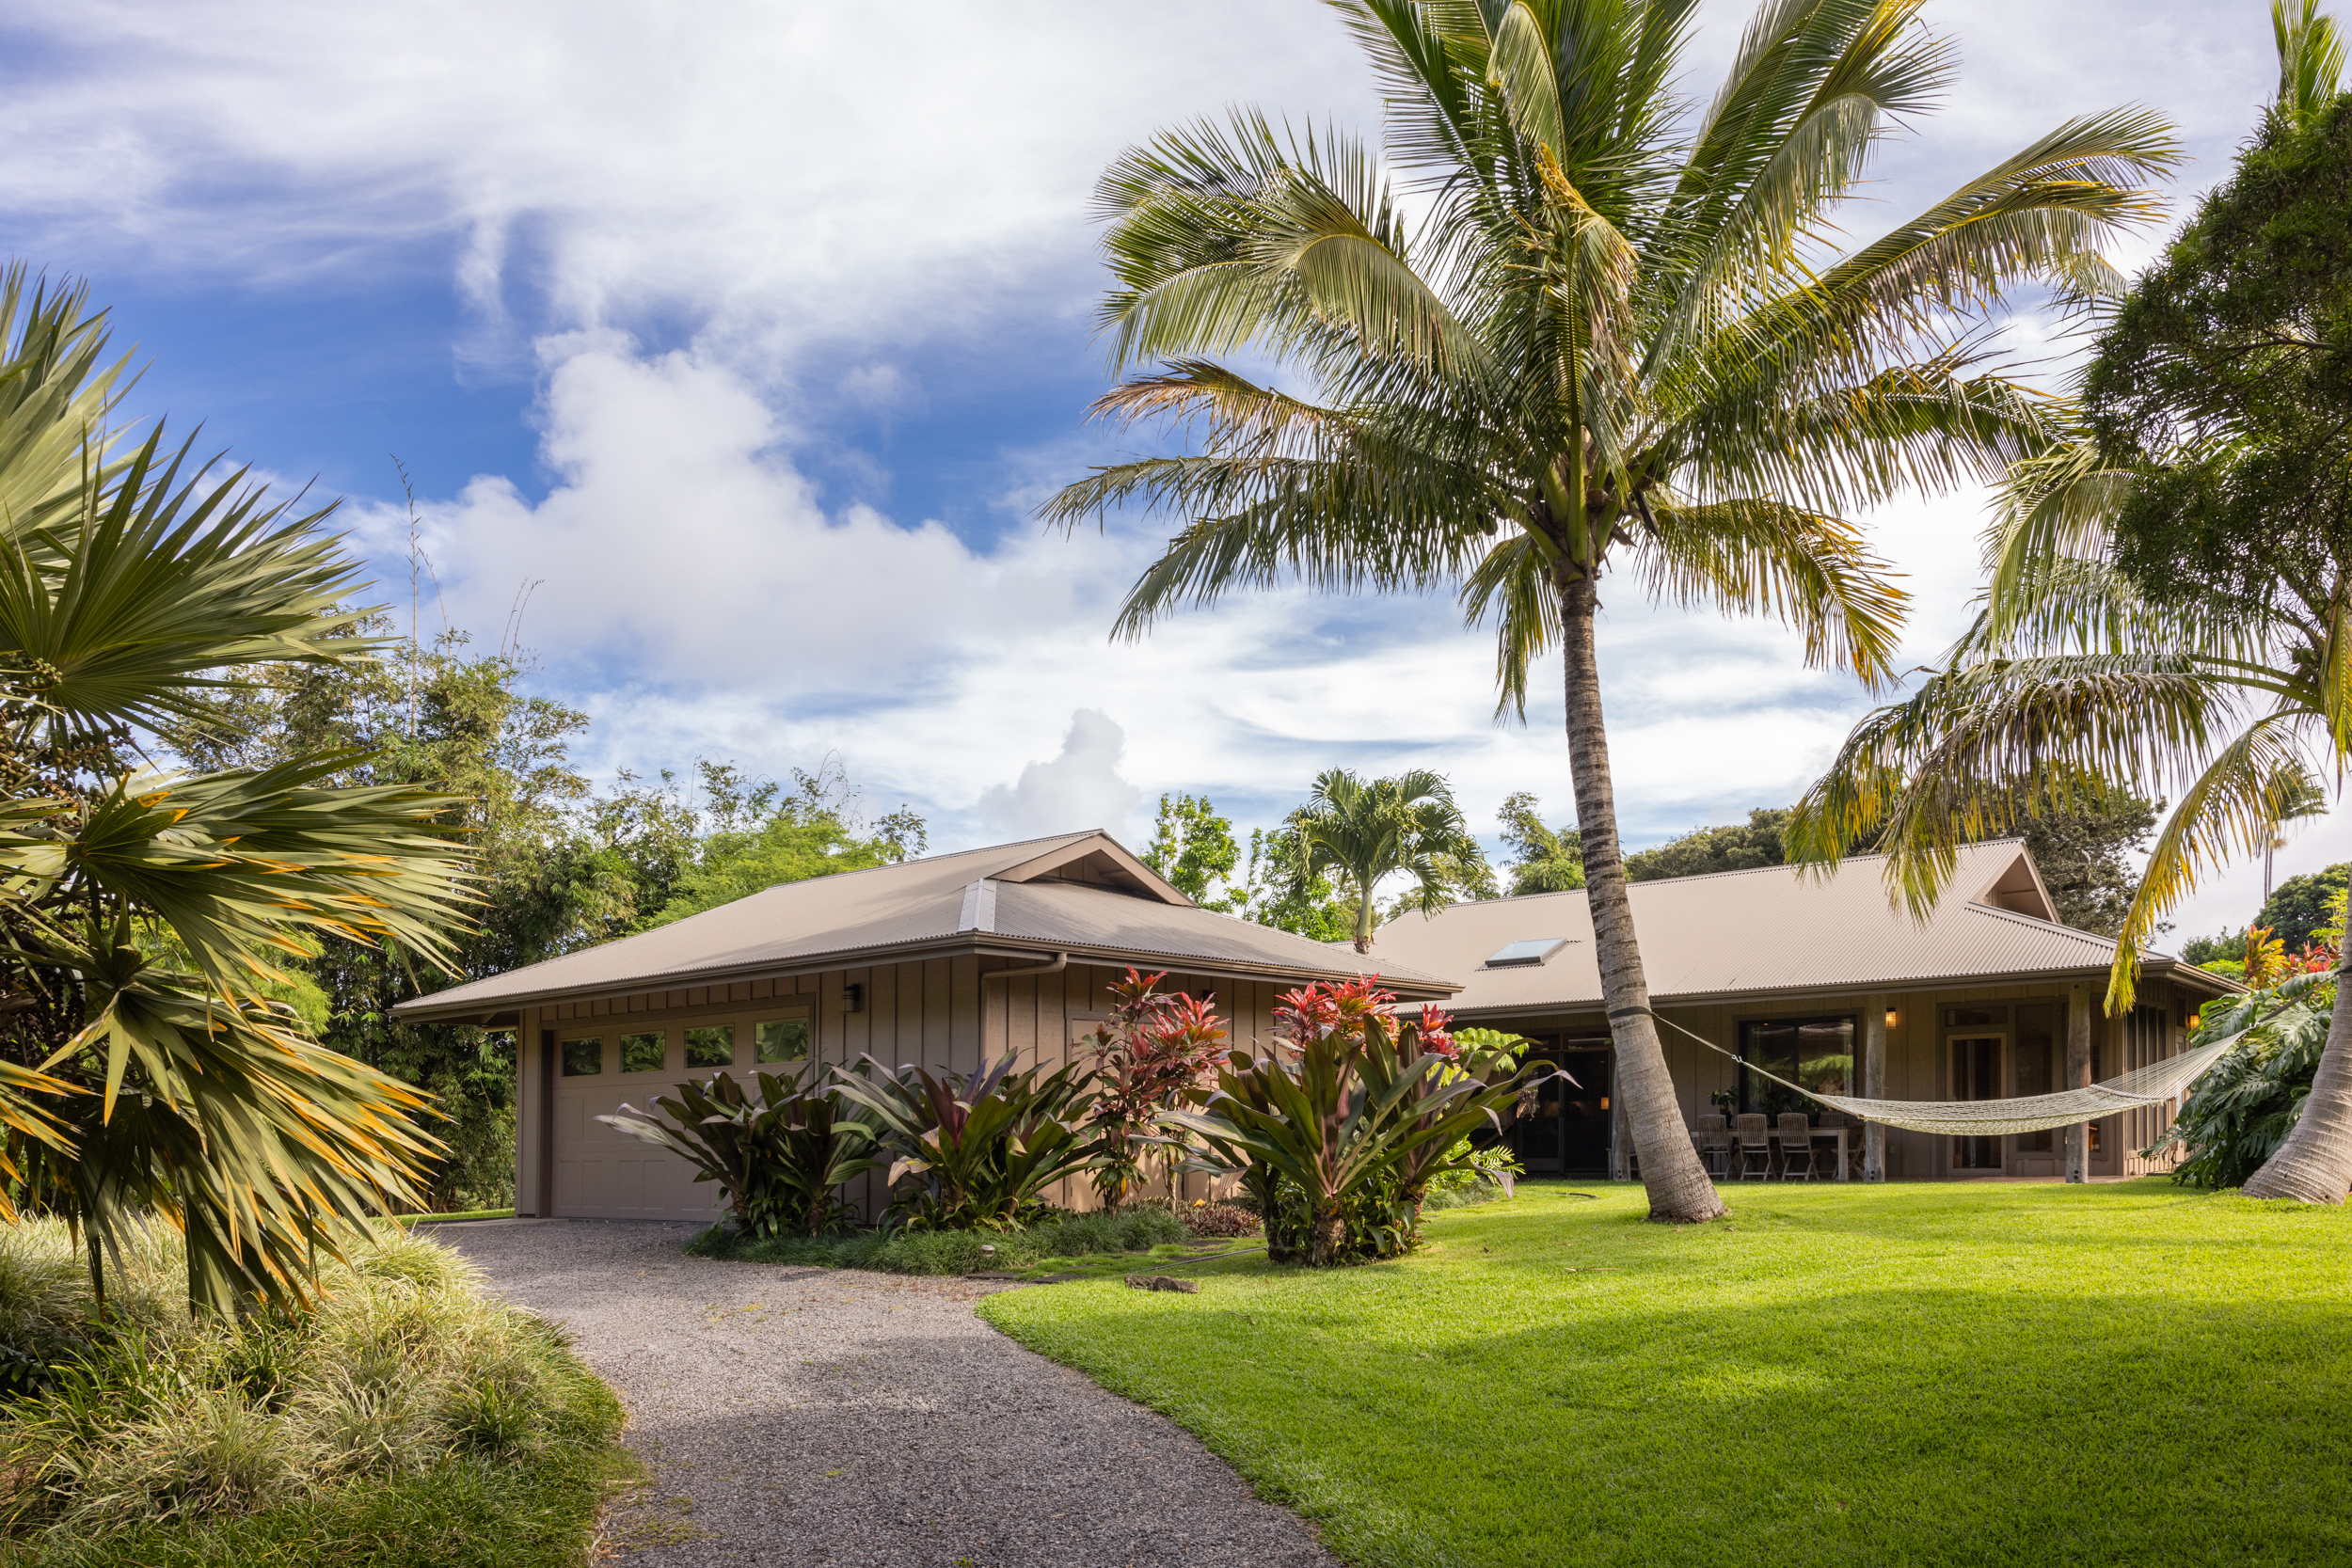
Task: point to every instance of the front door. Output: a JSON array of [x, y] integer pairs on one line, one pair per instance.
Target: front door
[[1584, 1113], [1977, 1076]]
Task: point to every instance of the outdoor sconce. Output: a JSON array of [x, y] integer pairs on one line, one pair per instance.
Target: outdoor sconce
[[1892, 1017], [852, 999]]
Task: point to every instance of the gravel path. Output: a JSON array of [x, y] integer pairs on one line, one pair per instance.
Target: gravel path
[[865, 1420]]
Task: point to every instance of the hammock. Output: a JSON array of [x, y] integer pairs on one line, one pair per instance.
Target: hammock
[[2142, 1087]]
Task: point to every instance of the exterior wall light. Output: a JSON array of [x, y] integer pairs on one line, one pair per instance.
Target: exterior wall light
[[1894, 1017]]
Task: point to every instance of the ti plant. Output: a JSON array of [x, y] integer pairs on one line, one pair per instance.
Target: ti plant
[[1356, 1111], [973, 1150], [1155, 1053], [780, 1158]]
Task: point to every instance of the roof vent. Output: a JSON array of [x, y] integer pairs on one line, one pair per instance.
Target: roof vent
[[1525, 955]]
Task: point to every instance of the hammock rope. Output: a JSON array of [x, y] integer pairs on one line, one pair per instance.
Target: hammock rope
[[2140, 1087]]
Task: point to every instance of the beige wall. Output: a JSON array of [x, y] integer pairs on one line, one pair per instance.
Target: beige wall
[[936, 1013], [1917, 1063]]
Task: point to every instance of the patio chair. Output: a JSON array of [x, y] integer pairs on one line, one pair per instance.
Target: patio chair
[[1796, 1143], [1712, 1133], [1755, 1147]]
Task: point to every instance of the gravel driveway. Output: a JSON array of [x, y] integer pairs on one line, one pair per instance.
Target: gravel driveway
[[865, 1420]]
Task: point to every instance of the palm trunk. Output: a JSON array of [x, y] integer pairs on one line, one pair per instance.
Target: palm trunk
[[1680, 1190], [2315, 1162]]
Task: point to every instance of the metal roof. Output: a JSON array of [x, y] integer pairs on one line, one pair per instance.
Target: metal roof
[[1083, 894], [1774, 931]]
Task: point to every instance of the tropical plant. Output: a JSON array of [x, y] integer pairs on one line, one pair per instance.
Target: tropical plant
[[1361, 833], [781, 1158], [1155, 1051], [2242, 1111], [145, 915], [1279, 889], [1619, 338], [973, 1150], [1349, 1118], [2169, 604]]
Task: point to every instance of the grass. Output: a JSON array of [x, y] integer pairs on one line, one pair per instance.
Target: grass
[[404, 1419], [1939, 1373], [467, 1214]]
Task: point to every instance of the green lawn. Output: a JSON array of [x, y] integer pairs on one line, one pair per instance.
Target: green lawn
[[2037, 1374]]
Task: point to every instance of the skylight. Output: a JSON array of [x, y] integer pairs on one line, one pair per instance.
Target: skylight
[[1525, 955]]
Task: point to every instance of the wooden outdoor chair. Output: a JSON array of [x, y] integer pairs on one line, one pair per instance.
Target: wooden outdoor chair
[[1755, 1147], [1796, 1143], [1712, 1133]]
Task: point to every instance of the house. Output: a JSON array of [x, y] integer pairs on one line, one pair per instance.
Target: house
[[947, 961], [957, 959], [1821, 981]]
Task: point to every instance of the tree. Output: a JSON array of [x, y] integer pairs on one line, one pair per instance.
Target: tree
[[756, 835], [1280, 890], [1543, 861], [1193, 848], [154, 1067], [2171, 599], [1617, 341], [2303, 905], [1360, 834], [1704, 852]]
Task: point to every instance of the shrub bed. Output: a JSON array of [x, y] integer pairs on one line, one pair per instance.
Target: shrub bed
[[406, 1417], [936, 1252]]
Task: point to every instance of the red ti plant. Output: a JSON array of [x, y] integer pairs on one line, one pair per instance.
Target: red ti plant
[[1155, 1052]]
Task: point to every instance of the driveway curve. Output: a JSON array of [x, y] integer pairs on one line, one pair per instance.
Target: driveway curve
[[864, 1420]]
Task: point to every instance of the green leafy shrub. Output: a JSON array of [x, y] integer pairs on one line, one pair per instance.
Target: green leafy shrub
[[949, 1252], [2237, 1114], [781, 1159], [1217, 1220], [1339, 1132], [400, 1364], [974, 1149]]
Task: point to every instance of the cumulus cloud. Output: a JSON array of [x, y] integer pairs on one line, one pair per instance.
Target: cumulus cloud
[[1079, 789]]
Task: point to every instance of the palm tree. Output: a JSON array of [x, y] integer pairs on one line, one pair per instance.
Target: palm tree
[[1618, 338], [144, 913], [1548, 862], [2169, 604], [1368, 832]]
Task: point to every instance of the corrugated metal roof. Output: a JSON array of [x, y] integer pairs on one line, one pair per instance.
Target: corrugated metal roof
[[859, 917], [1775, 929]]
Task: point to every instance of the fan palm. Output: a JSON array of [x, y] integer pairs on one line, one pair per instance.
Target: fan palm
[[2169, 604], [1617, 340], [143, 914], [1369, 832]]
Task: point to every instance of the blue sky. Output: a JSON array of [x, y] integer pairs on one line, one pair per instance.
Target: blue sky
[[749, 337]]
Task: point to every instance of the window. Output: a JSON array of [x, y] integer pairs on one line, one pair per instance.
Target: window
[[1975, 1018], [780, 1040], [2036, 1065], [644, 1053], [713, 1045], [1525, 955], [1817, 1053], [583, 1058]]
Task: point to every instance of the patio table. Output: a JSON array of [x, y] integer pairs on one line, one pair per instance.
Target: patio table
[[1817, 1134]]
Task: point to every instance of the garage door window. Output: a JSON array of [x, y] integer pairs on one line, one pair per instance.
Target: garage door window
[[782, 1040], [583, 1058], [644, 1053], [710, 1046]]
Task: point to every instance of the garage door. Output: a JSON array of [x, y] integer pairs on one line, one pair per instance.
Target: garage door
[[601, 1173]]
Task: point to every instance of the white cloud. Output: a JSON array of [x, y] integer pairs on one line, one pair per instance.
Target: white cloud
[[801, 206], [1079, 789]]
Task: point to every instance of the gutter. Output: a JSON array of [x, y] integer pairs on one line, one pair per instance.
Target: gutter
[[1061, 962]]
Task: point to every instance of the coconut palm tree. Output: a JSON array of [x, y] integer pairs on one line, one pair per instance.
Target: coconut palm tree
[[1368, 832], [1618, 338], [152, 1067], [2169, 604]]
